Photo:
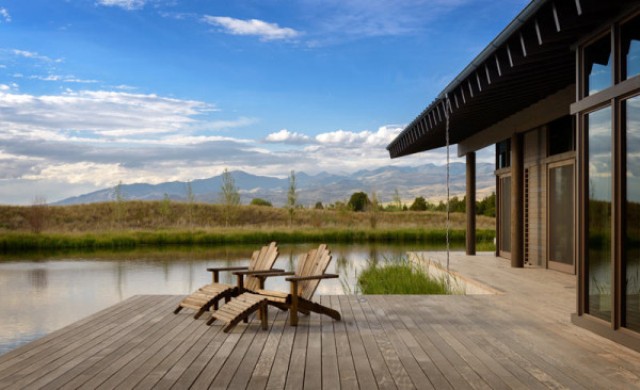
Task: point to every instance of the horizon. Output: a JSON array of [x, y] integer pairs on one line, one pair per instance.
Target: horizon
[[94, 93]]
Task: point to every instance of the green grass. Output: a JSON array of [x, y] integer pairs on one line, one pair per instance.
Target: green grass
[[399, 277], [21, 241]]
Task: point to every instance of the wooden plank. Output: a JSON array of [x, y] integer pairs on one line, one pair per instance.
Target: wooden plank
[[118, 359], [76, 350], [189, 367], [211, 365], [313, 367], [58, 336], [346, 367], [413, 377], [280, 366], [379, 367], [389, 353], [152, 371], [92, 357], [230, 364], [436, 378], [363, 367], [260, 375], [330, 373], [249, 362], [297, 358]]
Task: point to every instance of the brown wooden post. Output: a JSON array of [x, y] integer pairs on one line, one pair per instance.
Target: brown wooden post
[[517, 194], [293, 310], [471, 204]]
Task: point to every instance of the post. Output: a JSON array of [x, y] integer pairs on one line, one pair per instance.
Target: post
[[471, 204], [517, 196], [293, 310]]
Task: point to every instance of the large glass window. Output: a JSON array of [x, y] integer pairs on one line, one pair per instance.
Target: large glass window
[[561, 217], [561, 137], [630, 48], [503, 154], [505, 214], [632, 213], [598, 127], [598, 65]]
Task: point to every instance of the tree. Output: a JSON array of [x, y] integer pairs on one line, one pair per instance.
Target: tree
[[190, 200], [374, 209], [397, 200], [260, 202], [419, 204], [319, 206], [230, 196], [37, 214], [487, 206], [119, 209], [359, 201], [292, 197]]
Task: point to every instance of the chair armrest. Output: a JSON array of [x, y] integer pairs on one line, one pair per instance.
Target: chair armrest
[[312, 277], [265, 273], [226, 269], [216, 272]]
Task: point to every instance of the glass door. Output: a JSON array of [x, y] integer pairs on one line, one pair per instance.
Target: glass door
[[504, 221], [561, 217]]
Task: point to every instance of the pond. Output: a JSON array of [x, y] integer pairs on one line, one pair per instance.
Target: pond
[[45, 292]]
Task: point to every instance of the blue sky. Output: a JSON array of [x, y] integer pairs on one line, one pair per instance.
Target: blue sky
[[96, 92]]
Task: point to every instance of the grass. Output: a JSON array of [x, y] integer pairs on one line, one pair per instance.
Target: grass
[[20, 241], [399, 277], [130, 224]]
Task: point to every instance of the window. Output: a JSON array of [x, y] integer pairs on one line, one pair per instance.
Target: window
[[597, 66], [599, 134], [630, 56], [561, 135], [503, 154], [632, 213]]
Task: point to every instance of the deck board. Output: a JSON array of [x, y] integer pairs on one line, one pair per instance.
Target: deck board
[[521, 338]]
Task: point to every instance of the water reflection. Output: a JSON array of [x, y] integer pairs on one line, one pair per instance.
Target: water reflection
[[42, 293]]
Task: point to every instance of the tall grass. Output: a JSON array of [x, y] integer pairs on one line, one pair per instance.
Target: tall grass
[[399, 276], [19, 241]]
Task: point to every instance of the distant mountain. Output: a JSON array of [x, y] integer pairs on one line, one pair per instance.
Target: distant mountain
[[427, 180]]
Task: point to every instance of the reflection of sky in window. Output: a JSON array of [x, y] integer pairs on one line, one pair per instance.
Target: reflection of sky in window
[[600, 154], [600, 77], [633, 59], [633, 149]]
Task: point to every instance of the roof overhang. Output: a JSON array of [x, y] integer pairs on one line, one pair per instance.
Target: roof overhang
[[532, 58]]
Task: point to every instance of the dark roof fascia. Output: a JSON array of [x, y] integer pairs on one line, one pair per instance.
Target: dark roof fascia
[[507, 33]]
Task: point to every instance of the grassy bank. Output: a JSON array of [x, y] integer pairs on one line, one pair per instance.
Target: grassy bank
[[18, 241], [399, 277], [130, 224]]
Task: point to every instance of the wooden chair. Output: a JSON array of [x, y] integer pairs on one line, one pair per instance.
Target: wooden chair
[[208, 296], [303, 284]]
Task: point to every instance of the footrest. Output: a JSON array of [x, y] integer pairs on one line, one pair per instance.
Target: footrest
[[240, 308]]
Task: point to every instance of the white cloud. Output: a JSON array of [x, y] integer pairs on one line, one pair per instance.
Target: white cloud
[[287, 137], [65, 79], [4, 14], [124, 4], [35, 56], [266, 31], [380, 138]]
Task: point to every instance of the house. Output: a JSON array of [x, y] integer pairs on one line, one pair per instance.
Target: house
[[558, 94]]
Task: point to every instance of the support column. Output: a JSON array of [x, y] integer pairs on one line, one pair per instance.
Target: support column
[[471, 203], [517, 196]]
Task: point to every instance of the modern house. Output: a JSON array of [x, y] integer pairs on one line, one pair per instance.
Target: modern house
[[558, 94]]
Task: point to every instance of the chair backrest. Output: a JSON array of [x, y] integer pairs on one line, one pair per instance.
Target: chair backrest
[[261, 260], [314, 262]]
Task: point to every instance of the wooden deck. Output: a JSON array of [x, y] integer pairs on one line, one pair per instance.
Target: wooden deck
[[521, 338]]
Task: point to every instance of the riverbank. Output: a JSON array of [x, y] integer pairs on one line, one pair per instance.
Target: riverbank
[[22, 241]]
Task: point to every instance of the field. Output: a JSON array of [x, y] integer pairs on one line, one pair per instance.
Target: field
[[135, 223]]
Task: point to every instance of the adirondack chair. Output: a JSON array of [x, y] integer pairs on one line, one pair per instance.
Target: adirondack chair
[[208, 296], [303, 284]]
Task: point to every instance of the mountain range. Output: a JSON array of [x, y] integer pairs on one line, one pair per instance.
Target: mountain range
[[427, 180]]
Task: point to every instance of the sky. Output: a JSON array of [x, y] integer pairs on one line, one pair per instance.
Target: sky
[[99, 92]]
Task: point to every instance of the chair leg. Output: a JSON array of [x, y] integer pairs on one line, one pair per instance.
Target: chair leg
[[293, 311], [263, 312], [177, 310]]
